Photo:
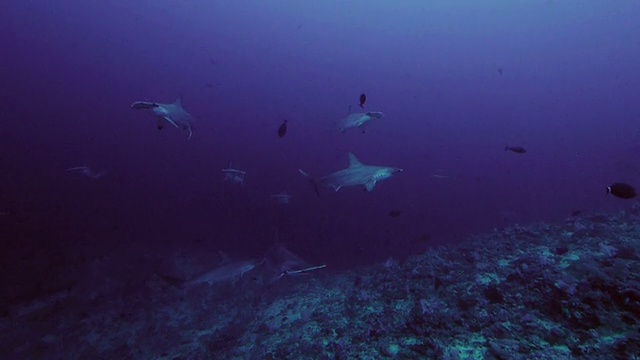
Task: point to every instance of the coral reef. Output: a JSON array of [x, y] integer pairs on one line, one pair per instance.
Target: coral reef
[[543, 291]]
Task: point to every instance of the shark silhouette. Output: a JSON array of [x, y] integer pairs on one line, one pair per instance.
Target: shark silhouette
[[282, 198], [86, 171], [173, 114], [359, 120], [221, 274], [235, 176], [355, 174]]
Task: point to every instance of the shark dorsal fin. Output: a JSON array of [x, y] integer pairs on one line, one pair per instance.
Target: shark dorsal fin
[[178, 101], [353, 161]]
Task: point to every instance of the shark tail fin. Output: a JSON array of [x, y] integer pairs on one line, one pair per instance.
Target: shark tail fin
[[311, 180]]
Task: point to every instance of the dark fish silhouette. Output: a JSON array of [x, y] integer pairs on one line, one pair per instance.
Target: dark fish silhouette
[[500, 71], [424, 238], [394, 213], [363, 99], [282, 130], [622, 190], [515, 149]]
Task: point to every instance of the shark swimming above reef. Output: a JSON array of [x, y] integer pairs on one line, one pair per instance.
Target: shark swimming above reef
[[221, 274], [355, 174], [359, 120], [173, 114]]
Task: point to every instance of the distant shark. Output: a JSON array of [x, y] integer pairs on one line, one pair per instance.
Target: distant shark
[[282, 198], [86, 171], [234, 175], [228, 272], [359, 120], [355, 174], [173, 114]]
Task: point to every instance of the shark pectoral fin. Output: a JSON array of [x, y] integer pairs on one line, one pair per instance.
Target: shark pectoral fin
[[190, 132], [370, 185], [168, 119]]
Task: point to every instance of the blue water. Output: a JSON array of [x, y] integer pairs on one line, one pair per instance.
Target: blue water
[[69, 71]]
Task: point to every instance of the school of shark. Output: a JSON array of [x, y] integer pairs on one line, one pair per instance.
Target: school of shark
[[356, 174]]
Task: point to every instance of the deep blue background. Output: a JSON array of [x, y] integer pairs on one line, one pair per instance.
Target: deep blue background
[[69, 71]]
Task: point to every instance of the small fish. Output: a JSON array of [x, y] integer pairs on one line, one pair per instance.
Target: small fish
[[500, 71], [282, 130], [394, 213], [363, 99], [622, 190], [515, 149]]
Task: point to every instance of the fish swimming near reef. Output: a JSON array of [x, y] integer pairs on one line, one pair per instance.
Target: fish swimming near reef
[[359, 120], [355, 174], [173, 114], [622, 190]]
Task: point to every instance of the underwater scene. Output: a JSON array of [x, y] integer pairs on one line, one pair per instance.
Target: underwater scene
[[302, 179]]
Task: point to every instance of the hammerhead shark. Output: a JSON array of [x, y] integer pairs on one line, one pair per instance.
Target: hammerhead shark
[[234, 175], [355, 174], [86, 171], [359, 120], [282, 198], [221, 274], [173, 114]]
